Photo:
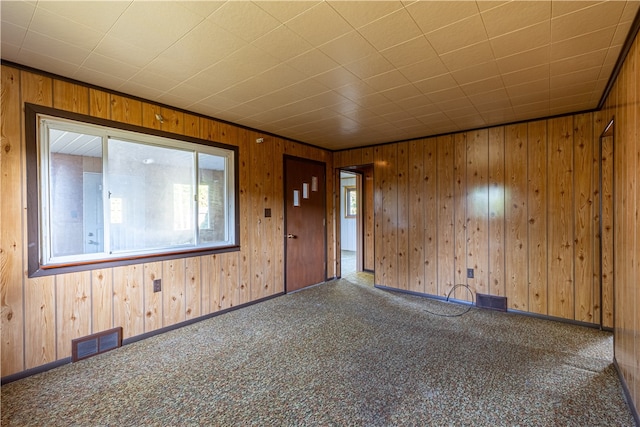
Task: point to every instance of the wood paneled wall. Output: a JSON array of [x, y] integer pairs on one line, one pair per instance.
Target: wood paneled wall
[[40, 316], [623, 104], [518, 204]]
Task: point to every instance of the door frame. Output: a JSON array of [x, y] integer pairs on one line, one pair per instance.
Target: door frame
[[284, 205]]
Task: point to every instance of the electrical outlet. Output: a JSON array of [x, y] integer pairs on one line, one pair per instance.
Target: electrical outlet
[[157, 285], [470, 273]]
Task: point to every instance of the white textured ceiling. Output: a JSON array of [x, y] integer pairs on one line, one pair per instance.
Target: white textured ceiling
[[335, 74]]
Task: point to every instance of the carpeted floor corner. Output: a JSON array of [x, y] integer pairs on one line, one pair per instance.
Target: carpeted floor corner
[[341, 353]]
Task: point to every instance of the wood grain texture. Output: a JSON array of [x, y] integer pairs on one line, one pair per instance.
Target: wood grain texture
[[99, 104], [537, 217], [153, 316], [70, 97], [212, 279], [516, 217], [416, 220], [390, 216], [39, 294], [193, 291], [402, 220], [73, 314], [277, 211], [229, 283], [173, 291], [39, 321], [477, 198], [378, 183], [607, 277], [496, 255], [128, 304], [460, 214], [102, 302], [445, 201], [430, 223], [126, 110], [561, 239], [584, 210], [11, 224]]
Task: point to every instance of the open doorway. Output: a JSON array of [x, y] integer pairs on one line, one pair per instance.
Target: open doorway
[[355, 220], [349, 219]]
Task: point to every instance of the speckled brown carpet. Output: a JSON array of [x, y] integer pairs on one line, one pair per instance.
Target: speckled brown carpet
[[341, 353]]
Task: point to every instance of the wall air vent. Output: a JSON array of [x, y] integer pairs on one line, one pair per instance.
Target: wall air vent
[[491, 302], [88, 346]]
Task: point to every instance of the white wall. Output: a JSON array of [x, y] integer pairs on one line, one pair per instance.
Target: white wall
[[347, 225]]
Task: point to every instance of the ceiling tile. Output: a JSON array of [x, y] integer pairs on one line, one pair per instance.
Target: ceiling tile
[[202, 47], [468, 56], [583, 44], [532, 37], [482, 86], [579, 62], [361, 93], [476, 73], [107, 65], [319, 24], [282, 43], [285, 10], [348, 48], [401, 92], [12, 34], [36, 42], [586, 20], [139, 90], [526, 75], [560, 8], [524, 60], [432, 15], [313, 62], [10, 52], [60, 28], [435, 84], [149, 30], [108, 81], [424, 69], [244, 19], [388, 80], [202, 8], [410, 52], [370, 66], [514, 16], [536, 87], [358, 16], [336, 78], [469, 31], [630, 11], [392, 30], [19, 13], [53, 64], [441, 97], [124, 51], [99, 15]]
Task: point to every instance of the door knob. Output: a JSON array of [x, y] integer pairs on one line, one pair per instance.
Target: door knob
[[291, 236]]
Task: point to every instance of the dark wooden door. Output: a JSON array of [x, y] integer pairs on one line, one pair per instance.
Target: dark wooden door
[[305, 223]]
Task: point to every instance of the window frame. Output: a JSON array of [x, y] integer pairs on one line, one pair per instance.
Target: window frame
[[34, 180]]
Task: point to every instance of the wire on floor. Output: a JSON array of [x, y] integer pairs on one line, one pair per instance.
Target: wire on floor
[[473, 302]]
